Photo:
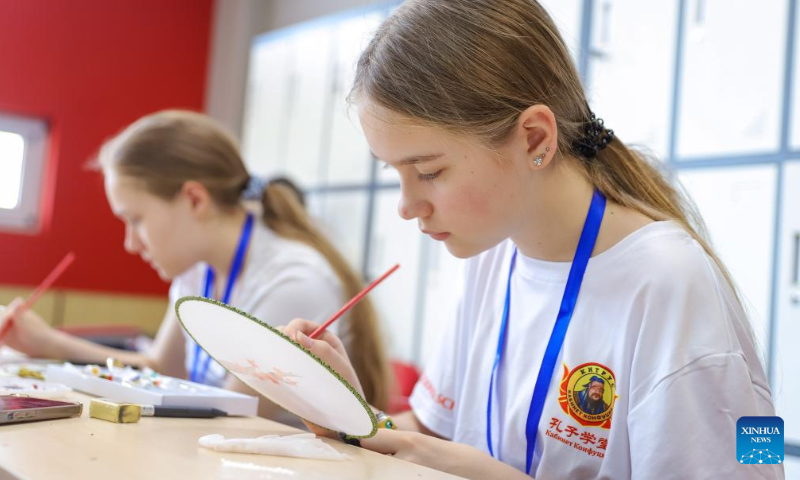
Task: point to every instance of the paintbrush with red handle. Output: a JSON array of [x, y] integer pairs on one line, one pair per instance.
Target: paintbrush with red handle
[[352, 302], [52, 277]]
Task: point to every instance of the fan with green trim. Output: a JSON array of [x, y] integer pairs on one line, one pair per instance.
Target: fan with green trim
[[276, 366]]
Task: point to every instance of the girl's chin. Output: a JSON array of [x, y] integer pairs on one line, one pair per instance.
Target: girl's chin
[[162, 274], [461, 250]]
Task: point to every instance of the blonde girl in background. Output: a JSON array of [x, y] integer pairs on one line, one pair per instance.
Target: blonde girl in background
[[598, 334], [178, 183]]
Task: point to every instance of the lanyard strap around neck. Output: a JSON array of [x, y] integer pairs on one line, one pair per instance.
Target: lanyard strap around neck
[[584, 251], [198, 375]]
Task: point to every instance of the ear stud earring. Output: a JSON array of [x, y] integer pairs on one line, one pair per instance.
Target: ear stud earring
[[540, 158]]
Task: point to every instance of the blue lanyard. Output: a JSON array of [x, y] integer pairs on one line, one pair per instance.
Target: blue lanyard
[[199, 375], [585, 246]]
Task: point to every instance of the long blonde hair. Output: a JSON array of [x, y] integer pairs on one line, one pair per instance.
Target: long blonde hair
[[166, 149], [472, 66]]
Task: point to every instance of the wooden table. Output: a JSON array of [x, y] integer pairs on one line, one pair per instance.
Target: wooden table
[[165, 448]]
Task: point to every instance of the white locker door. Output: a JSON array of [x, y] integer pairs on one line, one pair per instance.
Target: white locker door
[[567, 15], [444, 282], [349, 157], [342, 217], [792, 467], [786, 374], [395, 240], [309, 95], [732, 78], [794, 116], [266, 106], [738, 206], [631, 70]]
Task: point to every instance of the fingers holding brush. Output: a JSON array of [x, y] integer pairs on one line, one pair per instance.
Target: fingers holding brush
[[327, 347]]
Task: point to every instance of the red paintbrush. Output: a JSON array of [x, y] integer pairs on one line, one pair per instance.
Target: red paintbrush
[[62, 265], [352, 302]]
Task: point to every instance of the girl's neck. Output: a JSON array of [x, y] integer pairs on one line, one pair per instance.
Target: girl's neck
[[223, 235], [551, 227]]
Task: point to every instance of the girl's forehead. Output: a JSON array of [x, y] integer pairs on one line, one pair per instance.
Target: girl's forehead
[[393, 137], [122, 183], [379, 116], [125, 192], [380, 119]]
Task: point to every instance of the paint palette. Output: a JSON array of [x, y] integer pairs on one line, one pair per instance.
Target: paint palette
[[127, 384], [28, 379], [24, 369], [31, 386], [276, 366]]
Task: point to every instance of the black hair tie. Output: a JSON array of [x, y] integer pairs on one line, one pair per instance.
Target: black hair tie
[[595, 137]]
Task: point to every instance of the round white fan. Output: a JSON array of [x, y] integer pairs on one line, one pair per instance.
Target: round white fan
[[276, 366]]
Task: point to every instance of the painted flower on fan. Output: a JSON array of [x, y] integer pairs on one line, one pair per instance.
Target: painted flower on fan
[[276, 376]]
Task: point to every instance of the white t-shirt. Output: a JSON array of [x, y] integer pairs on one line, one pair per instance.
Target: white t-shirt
[[280, 280], [655, 321]]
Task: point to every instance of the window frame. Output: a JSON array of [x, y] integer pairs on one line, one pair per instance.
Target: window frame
[[26, 217]]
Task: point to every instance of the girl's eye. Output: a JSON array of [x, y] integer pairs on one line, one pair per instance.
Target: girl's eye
[[427, 177]]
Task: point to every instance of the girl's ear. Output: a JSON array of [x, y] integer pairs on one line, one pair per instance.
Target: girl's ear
[[538, 129], [197, 197]]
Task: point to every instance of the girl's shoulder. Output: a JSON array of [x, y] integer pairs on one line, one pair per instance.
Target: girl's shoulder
[[272, 256], [658, 254]]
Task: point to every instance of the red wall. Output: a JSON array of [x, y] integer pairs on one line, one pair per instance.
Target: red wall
[[89, 67]]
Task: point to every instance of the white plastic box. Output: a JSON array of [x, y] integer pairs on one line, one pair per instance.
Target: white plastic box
[[179, 393]]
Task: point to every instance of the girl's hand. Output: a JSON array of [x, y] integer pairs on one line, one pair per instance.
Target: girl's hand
[[329, 349], [443, 455], [30, 334]]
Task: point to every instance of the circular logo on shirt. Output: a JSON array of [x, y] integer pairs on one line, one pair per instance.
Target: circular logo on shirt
[[587, 394]]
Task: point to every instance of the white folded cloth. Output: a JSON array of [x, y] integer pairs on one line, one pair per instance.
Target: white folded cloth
[[301, 445]]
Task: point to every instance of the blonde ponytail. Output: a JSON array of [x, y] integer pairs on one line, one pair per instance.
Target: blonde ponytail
[[629, 178], [284, 214]]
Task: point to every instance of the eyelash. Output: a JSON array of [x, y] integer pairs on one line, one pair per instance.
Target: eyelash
[[425, 177], [429, 177]]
